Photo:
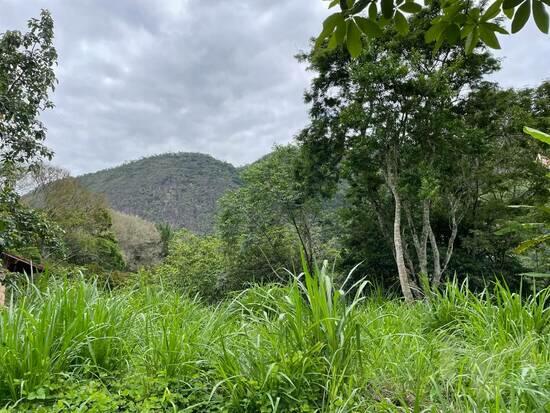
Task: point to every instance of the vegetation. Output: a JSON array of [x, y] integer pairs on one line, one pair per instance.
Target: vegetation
[[26, 77], [412, 169], [308, 346], [194, 264], [85, 220], [178, 189], [455, 21], [139, 240], [401, 124]]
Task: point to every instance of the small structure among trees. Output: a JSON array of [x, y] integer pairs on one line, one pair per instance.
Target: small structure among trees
[[14, 263]]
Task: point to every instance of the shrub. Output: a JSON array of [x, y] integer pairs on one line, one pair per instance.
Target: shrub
[[195, 265]]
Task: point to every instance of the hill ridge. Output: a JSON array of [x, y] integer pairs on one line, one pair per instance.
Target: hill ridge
[[178, 188]]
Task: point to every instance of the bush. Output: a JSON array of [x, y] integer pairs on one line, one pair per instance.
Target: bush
[[195, 265]]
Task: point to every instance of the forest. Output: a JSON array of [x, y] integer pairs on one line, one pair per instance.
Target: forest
[[394, 257]]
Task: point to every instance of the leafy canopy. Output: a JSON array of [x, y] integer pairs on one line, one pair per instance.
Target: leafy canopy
[[457, 21]]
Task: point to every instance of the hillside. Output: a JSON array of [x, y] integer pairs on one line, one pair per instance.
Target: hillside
[[181, 189]]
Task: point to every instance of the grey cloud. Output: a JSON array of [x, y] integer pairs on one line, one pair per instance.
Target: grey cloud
[[142, 77]]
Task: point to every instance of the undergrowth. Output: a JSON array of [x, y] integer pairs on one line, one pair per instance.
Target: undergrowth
[[311, 346]]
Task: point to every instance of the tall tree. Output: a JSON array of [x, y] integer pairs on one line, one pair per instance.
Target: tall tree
[[27, 75], [389, 122], [27, 62]]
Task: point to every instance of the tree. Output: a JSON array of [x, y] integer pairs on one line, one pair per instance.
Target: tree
[[265, 223], [388, 122], [26, 231], [39, 177], [456, 21], [85, 219], [195, 265], [27, 75], [504, 173], [538, 218]]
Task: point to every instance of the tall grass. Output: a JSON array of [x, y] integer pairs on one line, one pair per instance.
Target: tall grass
[[305, 347]]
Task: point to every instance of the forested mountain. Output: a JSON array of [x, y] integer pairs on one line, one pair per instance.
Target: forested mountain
[[180, 189]]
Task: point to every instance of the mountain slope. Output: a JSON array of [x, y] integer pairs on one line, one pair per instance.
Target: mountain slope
[[181, 189]]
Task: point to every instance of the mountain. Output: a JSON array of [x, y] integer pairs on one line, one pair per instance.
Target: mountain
[[181, 189]]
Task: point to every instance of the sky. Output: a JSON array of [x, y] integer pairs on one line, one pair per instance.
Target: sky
[[141, 77]]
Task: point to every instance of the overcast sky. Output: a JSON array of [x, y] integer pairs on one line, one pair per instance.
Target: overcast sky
[[140, 77]]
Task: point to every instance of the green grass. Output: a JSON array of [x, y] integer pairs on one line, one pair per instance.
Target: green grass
[[311, 346]]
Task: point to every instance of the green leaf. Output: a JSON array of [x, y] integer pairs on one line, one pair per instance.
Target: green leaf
[[373, 11], [493, 11], [471, 40], [333, 3], [387, 8], [537, 134], [511, 4], [340, 32], [332, 43], [369, 27], [328, 27], [522, 15], [331, 21], [401, 23], [535, 274], [353, 39], [508, 13], [488, 37], [496, 28], [451, 34], [466, 30], [410, 7], [541, 16], [434, 32], [532, 243], [359, 7]]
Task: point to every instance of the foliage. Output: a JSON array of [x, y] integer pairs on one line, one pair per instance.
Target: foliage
[[264, 223], [309, 346], [27, 63], [456, 21], [26, 231], [179, 189], [195, 265], [140, 242], [166, 233], [537, 134], [536, 223], [388, 122], [85, 220]]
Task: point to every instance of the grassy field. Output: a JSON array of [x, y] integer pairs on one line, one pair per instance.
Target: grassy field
[[308, 347]]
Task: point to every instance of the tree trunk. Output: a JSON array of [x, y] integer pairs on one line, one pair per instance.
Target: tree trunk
[[435, 257], [397, 241], [450, 246], [438, 269], [420, 243]]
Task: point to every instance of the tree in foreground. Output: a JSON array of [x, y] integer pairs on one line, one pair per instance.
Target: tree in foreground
[[392, 122], [27, 76]]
